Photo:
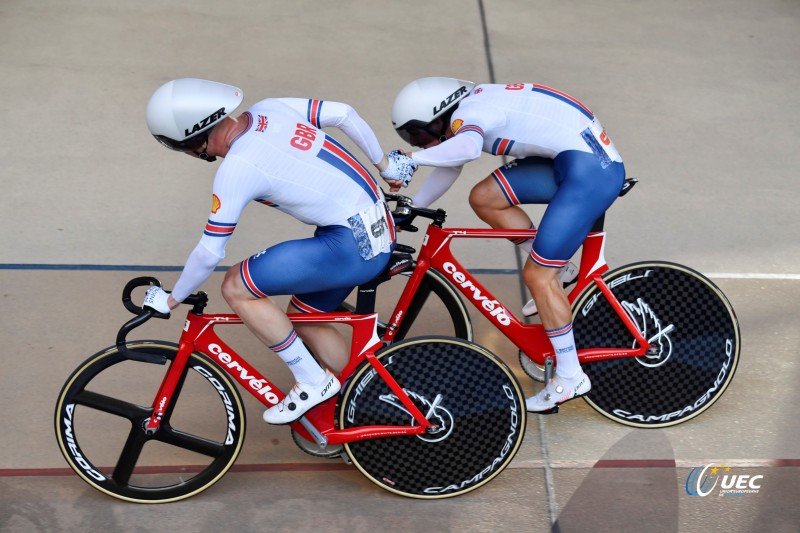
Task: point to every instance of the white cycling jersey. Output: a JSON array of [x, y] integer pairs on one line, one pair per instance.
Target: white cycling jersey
[[518, 120], [284, 161]]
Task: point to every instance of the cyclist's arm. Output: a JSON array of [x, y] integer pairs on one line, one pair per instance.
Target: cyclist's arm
[[234, 188], [469, 123], [326, 113], [439, 181], [198, 268], [453, 152]]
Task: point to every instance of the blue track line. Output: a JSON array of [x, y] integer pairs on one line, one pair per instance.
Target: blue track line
[[166, 268]]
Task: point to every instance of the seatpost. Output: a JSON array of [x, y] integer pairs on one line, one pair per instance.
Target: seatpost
[[367, 294], [599, 224]]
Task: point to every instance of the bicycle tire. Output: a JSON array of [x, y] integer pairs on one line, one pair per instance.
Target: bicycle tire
[[697, 358], [482, 418], [103, 407], [434, 299]]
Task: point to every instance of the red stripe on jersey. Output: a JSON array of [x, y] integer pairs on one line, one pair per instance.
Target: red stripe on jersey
[[352, 163], [219, 231], [314, 118], [390, 222], [564, 95], [503, 146], [470, 127]]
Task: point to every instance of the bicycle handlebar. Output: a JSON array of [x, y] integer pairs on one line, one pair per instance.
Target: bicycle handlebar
[[134, 284], [406, 211], [198, 300]]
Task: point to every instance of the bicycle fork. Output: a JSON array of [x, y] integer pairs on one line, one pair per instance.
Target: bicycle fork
[[173, 379]]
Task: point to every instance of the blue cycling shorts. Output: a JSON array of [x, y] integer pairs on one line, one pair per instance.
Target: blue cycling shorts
[[577, 189], [319, 271]]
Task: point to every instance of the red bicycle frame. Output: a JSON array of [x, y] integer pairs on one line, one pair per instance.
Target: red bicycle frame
[[530, 338], [199, 336]]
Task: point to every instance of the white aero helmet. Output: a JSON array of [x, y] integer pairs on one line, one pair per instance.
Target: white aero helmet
[[181, 112], [421, 102]]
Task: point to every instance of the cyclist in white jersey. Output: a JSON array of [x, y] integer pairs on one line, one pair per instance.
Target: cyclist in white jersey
[[563, 158], [276, 154]]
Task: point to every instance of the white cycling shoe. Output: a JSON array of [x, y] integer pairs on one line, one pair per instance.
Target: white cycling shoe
[[568, 274], [558, 391], [301, 398]]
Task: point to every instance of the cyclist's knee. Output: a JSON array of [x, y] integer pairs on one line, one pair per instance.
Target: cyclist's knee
[[480, 196], [233, 290], [485, 198], [538, 278]]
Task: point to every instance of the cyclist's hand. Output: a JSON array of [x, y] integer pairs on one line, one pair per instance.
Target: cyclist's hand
[[399, 171], [394, 185], [157, 298]]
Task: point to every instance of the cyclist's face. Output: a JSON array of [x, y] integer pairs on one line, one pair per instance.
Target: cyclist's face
[[421, 138], [428, 136]]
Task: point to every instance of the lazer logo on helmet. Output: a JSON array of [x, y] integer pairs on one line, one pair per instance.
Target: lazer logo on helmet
[[449, 100], [213, 117]]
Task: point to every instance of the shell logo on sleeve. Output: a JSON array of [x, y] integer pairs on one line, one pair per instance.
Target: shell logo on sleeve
[[215, 203], [457, 124]]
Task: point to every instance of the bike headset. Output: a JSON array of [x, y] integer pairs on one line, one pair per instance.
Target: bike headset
[[182, 113], [422, 109]]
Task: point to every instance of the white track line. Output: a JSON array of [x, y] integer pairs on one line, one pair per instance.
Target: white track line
[[679, 463], [751, 275]]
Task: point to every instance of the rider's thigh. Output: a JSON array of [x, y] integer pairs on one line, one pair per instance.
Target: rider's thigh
[[326, 266], [585, 191], [491, 206], [531, 180]]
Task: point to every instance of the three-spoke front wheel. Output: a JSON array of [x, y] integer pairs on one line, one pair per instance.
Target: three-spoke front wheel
[[103, 408]]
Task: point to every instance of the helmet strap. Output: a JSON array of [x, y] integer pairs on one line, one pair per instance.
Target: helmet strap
[[204, 154], [445, 124]]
